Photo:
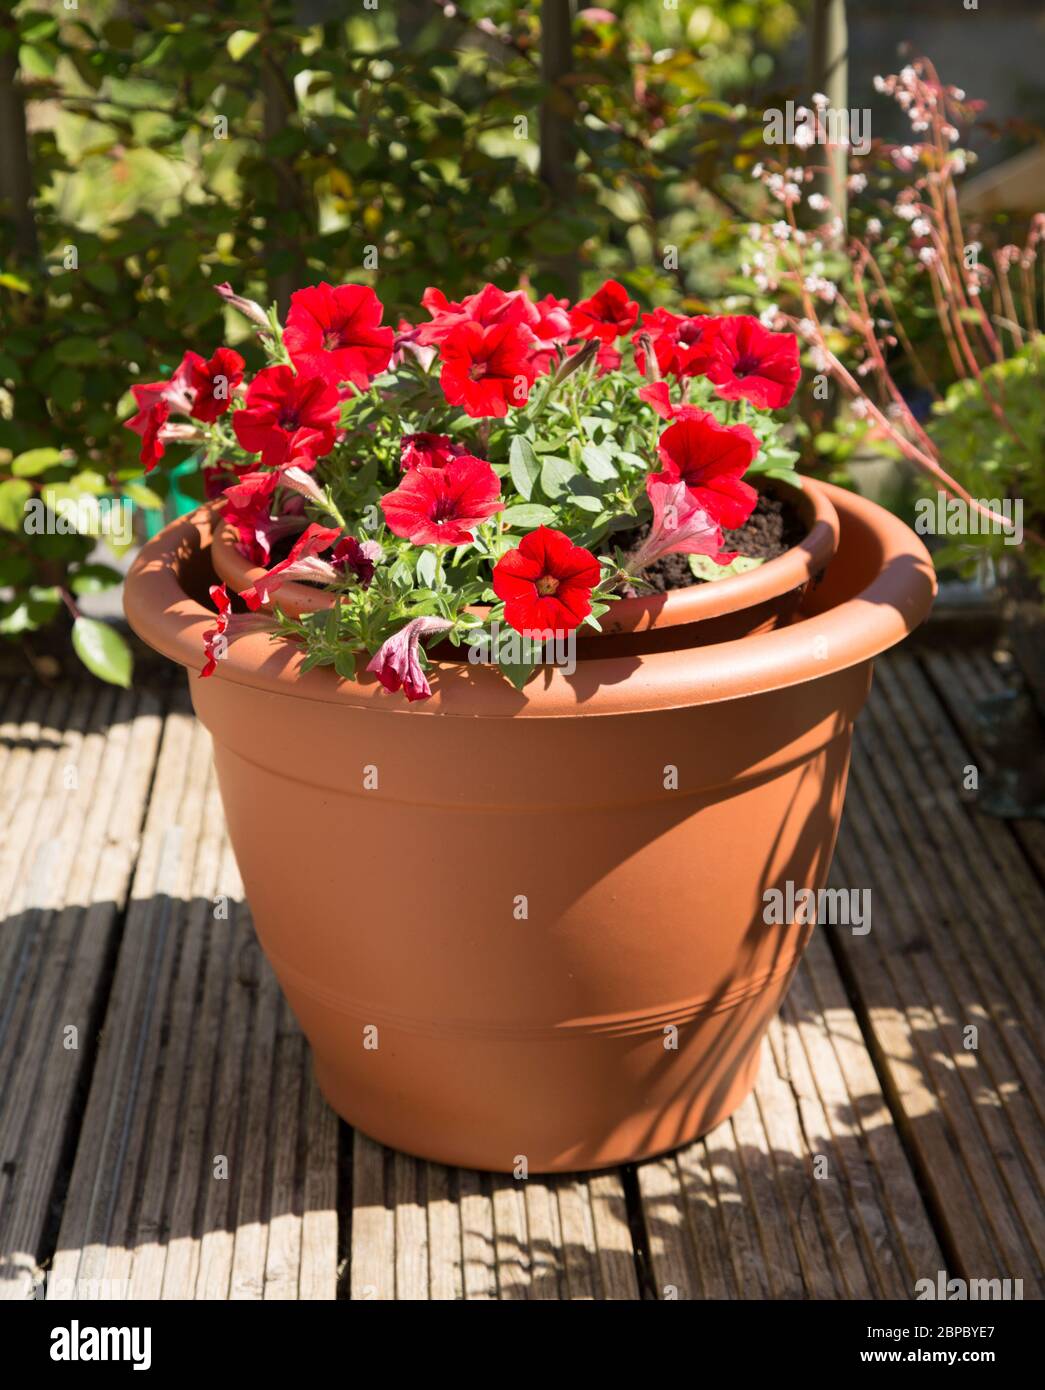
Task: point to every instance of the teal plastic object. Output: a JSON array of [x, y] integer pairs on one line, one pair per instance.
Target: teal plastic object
[[178, 502]]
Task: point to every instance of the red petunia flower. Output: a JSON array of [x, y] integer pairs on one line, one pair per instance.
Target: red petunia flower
[[409, 342], [428, 451], [658, 395], [749, 362], [214, 382], [248, 509], [215, 638], [546, 583], [488, 307], [551, 330], [682, 346], [552, 324], [710, 458], [220, 476], [486, 370], [396, 662], [442, 506], [156, 402], [304, 562], [152, 449], [176, 394], [334, 332], [287, 415], [606, 315]]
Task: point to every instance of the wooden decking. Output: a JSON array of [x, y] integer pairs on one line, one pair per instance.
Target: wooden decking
[[161, 1134]]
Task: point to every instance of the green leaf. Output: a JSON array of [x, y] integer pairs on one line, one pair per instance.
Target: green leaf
[[35, 461], [29, 611], [240, 43], [555, 475], [598, 463], [704, 567], [14, 494], [143, 496], [93, 579], [523, 466], [425, 569], [528, 516], [103, 651], [518, 673], [78, 351]]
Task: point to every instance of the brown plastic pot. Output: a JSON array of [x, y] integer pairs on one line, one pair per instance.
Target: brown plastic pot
[[758, 601], [545, 909]]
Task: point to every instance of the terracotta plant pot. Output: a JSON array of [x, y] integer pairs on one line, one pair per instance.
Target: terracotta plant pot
[[758, 601], [532, 925]]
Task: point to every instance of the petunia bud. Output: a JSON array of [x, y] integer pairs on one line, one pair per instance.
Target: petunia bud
[[580, 359], [297, 478], [249, 308]]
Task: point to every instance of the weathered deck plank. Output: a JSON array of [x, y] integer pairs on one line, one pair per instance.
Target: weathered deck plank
[[75, 779], [949, 952], [189, 1179]]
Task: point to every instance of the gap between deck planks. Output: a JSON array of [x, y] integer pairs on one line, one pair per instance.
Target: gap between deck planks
[[199, 1059]]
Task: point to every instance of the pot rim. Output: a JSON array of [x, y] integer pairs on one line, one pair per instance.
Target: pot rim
[[895, 601], [794, 568]]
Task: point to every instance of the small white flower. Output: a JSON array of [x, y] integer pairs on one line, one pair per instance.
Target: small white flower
[[927, 255], [781, 230], [756, 172], [921, 226], [807, 328], [861, 408], [908, 211], [819, 99], [818, 202], [857, 183], [874, 227], [880, 84]]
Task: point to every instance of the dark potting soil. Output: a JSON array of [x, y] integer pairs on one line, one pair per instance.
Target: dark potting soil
[[773, 527]]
